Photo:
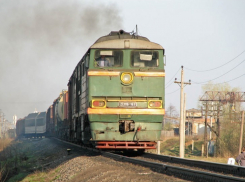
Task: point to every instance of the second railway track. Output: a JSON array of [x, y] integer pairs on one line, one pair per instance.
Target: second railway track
[[209, 166], [183, 172], [185, 169]]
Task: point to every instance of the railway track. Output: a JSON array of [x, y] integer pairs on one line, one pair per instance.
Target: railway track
[[185, 169], [180, 172], [210, 166]]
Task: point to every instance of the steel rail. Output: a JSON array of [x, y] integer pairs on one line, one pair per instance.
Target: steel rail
[[211, 166], [179, 172], [189, 174]]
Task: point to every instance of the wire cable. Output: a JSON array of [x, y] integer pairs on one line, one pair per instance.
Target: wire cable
[[221, 75], [169, 85], [218, 66], [231, 80], [173, 91], [171, 79]]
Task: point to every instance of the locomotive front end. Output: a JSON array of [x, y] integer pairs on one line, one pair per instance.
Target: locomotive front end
[[125, 92]]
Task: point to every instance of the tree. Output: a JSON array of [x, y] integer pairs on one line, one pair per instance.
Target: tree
[[227, 139], [170, 117], [171, 111]]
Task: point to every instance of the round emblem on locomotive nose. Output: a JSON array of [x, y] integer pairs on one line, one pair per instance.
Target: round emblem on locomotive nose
[[127, 77]]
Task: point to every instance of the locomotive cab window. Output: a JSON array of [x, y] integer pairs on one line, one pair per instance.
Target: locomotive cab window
[[144, 59], [108, 58]]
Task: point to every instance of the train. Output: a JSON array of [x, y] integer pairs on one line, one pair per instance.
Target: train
[[33, 125], [115, 97]]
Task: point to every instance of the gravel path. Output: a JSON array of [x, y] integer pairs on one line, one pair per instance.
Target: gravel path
[[54, 164]]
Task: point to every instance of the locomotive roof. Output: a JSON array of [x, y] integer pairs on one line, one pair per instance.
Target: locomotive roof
[[121, 34], [116, 40]]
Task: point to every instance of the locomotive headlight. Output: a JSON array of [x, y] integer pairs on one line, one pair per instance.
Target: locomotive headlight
[[127, 78], [98, 103], [154, 104]]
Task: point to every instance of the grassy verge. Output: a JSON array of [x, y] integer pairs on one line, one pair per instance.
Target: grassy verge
[[171, 147], [5, 143], [47, 175], [30, 159], [15, 160]]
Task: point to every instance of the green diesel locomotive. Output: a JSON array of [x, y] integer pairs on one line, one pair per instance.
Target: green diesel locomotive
[[116, 93]]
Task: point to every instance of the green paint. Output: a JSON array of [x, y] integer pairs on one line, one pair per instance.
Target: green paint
[[105, 126]]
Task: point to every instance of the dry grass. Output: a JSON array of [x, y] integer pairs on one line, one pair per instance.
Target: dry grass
[[46, 175], [170, 147], [5, 143], [210, 159]]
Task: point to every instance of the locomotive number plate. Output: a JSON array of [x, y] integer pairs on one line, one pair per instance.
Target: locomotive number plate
[[127, 104]]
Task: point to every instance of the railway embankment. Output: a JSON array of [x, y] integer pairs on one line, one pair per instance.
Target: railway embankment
[[48, 159]]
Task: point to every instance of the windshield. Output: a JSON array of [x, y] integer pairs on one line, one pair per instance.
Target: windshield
[[144, 59], [108, 58]]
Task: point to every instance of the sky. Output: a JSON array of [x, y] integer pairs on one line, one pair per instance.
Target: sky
[[42, 41]]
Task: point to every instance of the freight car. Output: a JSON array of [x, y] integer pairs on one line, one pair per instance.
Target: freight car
[[30, 124], [50, 122], [33, 125], [116, 94], [57, 117], [20, 127], [61, 115], [40, 124]]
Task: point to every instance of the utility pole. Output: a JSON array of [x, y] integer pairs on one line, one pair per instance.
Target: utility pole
[[184, 115], [136, 30], [182, 124], [3, 126], [241, 133], [0, 123], [218, 151], [205, 131]]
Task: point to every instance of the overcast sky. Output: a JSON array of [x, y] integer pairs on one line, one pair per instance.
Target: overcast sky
[[42, 41]]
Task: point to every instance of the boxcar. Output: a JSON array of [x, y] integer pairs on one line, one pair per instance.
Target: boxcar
[[116, 93], [20, 127], [30, 124], [40, 124], [50, 121], [35, 124], [61, 115]]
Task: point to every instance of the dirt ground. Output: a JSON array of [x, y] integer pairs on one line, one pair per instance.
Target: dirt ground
[[48, 160]]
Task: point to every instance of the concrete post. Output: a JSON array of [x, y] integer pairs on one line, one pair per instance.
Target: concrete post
[[241, 133], [158, 147]]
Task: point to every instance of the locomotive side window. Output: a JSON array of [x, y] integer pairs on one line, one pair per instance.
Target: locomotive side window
[[144, 59], [108, 58]]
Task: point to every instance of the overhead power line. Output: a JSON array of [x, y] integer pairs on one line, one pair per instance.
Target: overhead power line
[[231, 80], [220, 75], [171, 79], [216, 83], [218, 66], [172, 92]]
